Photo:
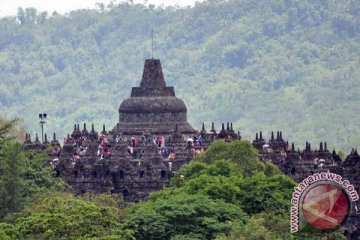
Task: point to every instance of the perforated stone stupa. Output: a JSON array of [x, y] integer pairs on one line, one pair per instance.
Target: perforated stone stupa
[[152, 107]]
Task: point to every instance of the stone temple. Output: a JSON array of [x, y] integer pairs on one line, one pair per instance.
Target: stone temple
[[152, 107], [151, 142], [142, 151]]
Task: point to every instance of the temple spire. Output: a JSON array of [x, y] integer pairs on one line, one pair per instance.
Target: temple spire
[[152, 75], [46, 140], [104, 132], [37, 138], [213, 127]]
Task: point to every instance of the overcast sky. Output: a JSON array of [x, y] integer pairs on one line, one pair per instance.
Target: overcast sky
[[9, 7]]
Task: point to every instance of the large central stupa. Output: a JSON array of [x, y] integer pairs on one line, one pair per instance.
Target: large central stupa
[[152, 107]]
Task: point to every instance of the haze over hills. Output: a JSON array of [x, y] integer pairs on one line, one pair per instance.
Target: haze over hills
[[263, 65], [9, 8]]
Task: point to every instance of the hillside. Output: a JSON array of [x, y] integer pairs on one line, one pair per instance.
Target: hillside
[[263, 65]]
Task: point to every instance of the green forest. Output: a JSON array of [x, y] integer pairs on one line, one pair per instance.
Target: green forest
[[240, 198], [290, 65]]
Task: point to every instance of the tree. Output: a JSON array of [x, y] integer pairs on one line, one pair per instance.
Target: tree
[[22, 174], [260, 193], [197, 168], [13, 128], [182, 215], [239, 152], [11, 161], [62, 216], [253, 230]]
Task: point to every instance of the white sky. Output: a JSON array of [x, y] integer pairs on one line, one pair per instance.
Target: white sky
[[9, 7]]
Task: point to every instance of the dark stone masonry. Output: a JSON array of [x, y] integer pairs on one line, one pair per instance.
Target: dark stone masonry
[[151, 142], [153, 106]]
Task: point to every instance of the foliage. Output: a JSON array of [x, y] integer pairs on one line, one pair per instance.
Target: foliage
[[63, 216], [182, 215], [6, 230], [260, 193], [264, 195], [240, 152], [270, 226], [196, 168], [14, 128], [37, 176], [11, 159], [255, 229], [337, 234], [22, 175], [263, 65], [237, 197], [105, 200], [262, 189]]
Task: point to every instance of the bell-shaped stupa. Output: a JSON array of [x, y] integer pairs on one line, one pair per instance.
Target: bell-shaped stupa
[[152, 107]]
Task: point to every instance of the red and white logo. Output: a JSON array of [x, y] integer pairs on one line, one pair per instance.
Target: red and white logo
[[325, 205]]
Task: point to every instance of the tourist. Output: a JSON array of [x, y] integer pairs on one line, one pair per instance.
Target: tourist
[[54, 163], [133, 142], [171, 156], [130, 149], [199, 140], [316, 160], [102, 153], [159, 141], [56, 152], [141, 153], [109, 153], [134, 154], [189, 142], [75, 157], [82, 151], [103, 143], [144, 139], [117, 139]]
